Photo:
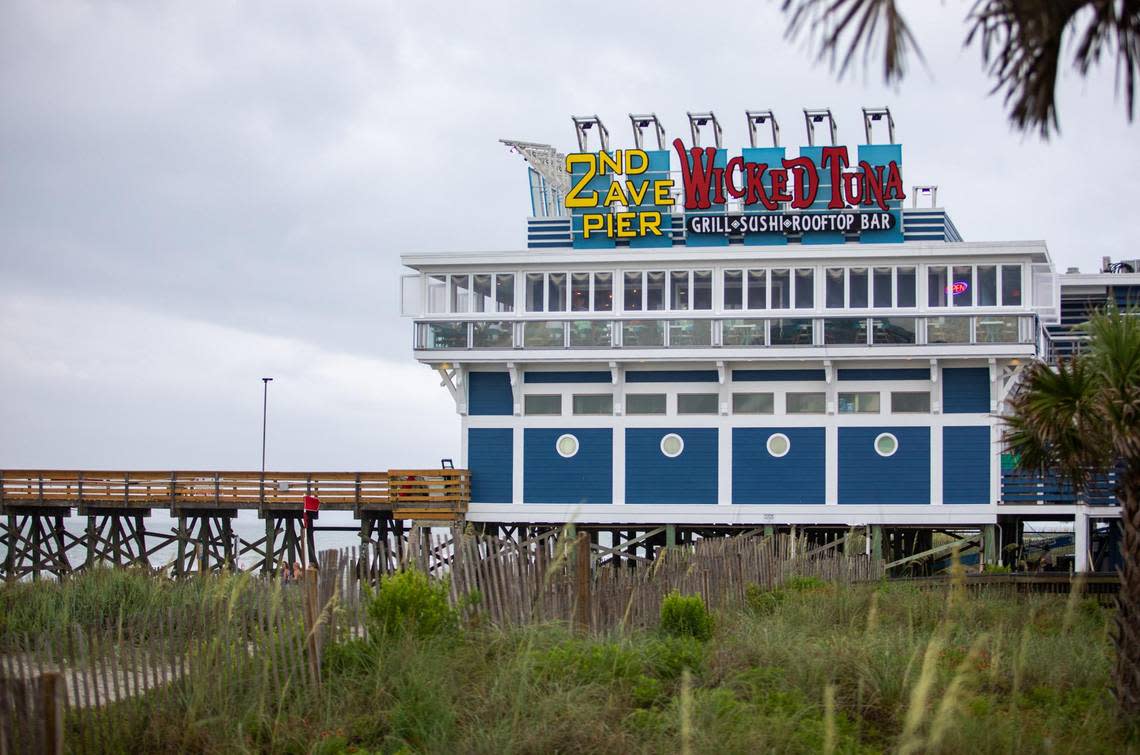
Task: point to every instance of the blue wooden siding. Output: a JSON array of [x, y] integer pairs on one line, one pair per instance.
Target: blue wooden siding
[[671, 376], [774, 375], [966, 464], [965, 390], [797, 477], [567, 377], [490, 457], [489, 393], [886, 374], [865, 477], [652, 477], [586, 477]]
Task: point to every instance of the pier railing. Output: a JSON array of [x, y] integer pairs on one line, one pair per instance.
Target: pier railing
[[445, 492]]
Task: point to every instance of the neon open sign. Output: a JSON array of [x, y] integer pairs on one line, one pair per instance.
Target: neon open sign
[[957, 287]]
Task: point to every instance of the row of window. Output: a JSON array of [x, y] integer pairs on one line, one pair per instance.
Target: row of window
[[807, 402], [744, 289], [778, 445], [786, 331]]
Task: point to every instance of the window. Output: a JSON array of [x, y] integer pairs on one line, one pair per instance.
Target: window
[[948, 330], [672, 445], [534, 292], [778, 445], [936, 287], [962, 287], [544, 335], [679, 289], [590, 334], [556, 292], [886, 444], [781, 289], [594, 403], [702, 289], [791, 332], [642, 333], [494, 334], [580, 292], [733, 289], [742, 333], [633, 292], [446, 335], [806, 403], [805, 288], [697, 403], [645, 403], [690, 333], [893, 330], [481, 300], [460, 293], [833, 294], [987, 286], [655, 290], [757, 289], [504, 292], [845, 331], [905, 285], [857, 288], [437, 293], [566, 446], [864, 402], [603, 292], [910, 402], [1011, 285], [753, 403], [881, 279], [542, 405], [996, 330]]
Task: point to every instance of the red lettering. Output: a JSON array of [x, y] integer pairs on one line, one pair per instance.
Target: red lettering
[[835, 160], [872, 184], [780, 191], [756, 192], [806, 182], [718, 185], [894, 187], [852, 188], [696, 175], [736, 163]]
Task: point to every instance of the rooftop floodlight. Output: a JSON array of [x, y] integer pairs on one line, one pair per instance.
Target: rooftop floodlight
[[814, 117], [642, 122], [583, 124], [756, 119], [872, 115], [924, 191], [698, 120]]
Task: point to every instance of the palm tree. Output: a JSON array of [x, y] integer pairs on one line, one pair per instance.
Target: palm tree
[[1021, 41], [1081, 419]]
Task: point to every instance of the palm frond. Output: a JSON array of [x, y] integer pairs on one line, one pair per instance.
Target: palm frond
[[852, 26]]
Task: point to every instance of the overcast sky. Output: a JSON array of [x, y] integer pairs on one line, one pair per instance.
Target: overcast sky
[[195, 195]]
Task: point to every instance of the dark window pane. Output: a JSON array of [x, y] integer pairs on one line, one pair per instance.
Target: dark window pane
[[603, 292], [882, 281], [1011, 285], [594, 403], [987, 286], [542, 404], [742, 333], [580, 292], [864, 402], [544, 335], [936, 286], [733, 289], [845, 331], [587, 334], [805, 288], [702, 289], [835, 287], [893, 330], [640, 333], [498, 335], [806, 403], [633, 292], [910, 402], [482, 301], [679, 289], [906, 286], [505, 292], [857, 287], [690, 332], [697, 403], [781, 289], [645, 403], [757, 289], [534, 284], [962, 286], [556, 292], [752, 403], [791, 332], [655, 290]]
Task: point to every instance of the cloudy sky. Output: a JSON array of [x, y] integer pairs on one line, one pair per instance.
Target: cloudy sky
[[194, 195]]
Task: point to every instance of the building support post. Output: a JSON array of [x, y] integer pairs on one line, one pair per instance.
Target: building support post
[[1081, 541], [989, 547], [670, 536], [876, 542]]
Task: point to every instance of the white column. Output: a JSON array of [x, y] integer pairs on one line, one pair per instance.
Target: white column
[[517, 465], [936, 461], [1081, 540], [831, 462], [619, 464], [724, 465]]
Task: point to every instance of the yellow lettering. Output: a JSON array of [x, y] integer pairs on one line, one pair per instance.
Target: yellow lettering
[[578, 196], [650, 223], [625, 225], [661, 195], [612, 163], [637, 197], [629, 155], [615, 194], [593, 221]]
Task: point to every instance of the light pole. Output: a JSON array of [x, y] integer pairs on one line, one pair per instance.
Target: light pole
[[264, 413]]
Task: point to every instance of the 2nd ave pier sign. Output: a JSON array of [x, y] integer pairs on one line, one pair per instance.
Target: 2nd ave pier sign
[[791, 223]]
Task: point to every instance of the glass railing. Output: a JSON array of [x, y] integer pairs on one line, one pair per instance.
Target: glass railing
[[773, 332]]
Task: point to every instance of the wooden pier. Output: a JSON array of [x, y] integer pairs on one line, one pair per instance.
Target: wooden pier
[[116, 504]]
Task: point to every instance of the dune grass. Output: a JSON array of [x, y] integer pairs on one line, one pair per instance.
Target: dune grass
[[814, 668]]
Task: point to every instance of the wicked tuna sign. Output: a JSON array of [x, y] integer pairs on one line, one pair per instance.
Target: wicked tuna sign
[[796, 196]]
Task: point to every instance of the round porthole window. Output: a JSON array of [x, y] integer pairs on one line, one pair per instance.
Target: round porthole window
[[672, 445], [566, 446], [779, 445], [886, 444]]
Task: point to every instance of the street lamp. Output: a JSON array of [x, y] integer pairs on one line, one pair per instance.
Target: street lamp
[[264, 412]]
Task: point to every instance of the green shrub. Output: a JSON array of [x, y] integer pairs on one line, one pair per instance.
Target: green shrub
[[586, 662], [667, 657], [409, 602], [761, 601], [805, 584], [686, 616]]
